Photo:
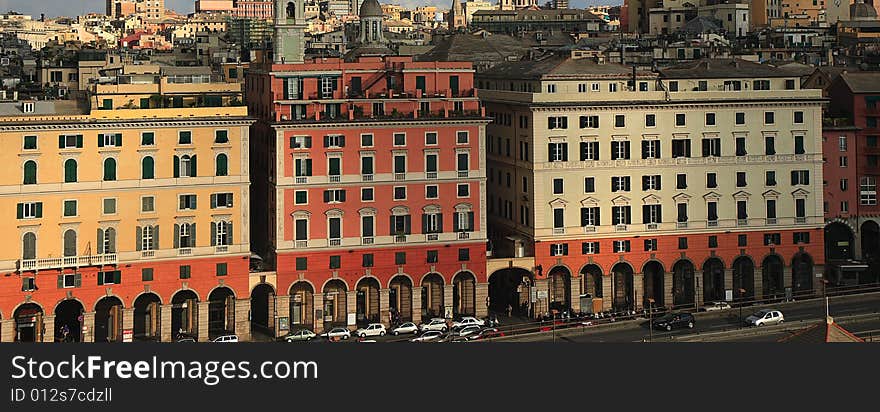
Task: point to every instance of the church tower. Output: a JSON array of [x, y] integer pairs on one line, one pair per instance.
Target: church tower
[[456, 16], [290, 25]]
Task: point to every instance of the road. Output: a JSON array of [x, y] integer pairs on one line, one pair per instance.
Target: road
[[708, 323]]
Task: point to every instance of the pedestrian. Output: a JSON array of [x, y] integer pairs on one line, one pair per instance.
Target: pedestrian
[[509, 310]]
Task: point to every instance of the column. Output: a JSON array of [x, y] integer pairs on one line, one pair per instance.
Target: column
[[351, 306], [271, 316], [202, 320], [128, 321], [7, 330], [698, 288], [818, 285], [787, 282], [447, 299], [482, 298], [607, 292], [281, 310], [242, 319], [384, 307], [318, 299], [165, 323], [639, 290], [417, 304], [88, 326], [48, 328], [728, 282], [542, 306], [759, 285]]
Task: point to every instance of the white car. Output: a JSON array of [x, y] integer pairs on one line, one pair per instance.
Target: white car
[[765, 317], [429, 336], [711, 306], [300, 335], [435, 324], [226, 338], [337, 333], [407, 327], [469, 330], [373, 329], [468, 321]]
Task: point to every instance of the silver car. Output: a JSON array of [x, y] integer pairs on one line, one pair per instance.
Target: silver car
[[765, 317]]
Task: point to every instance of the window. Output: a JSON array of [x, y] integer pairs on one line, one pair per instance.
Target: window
[[110, 140], [432, 256], [589, 184], [221, 269], [741, 146], [30, 172], [682, 243], [682, 212], [772, 239], [789, 84], [557, 152], [334, 195], [302, 263], [620, 183], [800, 177], [589, 150], [185, 271], [740, 179], [652, 214], [30, 143], [761, 85], [680, 119], [673, 85], [558, 218], [367, 139], [557, 122], [221, 165], [109, 169], [650, 120], [187, 202], [590, 248], [650, 149], [462, 137], [620, 215], [740, 118], [681, 148], [464, 255], [184, 137], [147, 274], [589, 122], [431, 192], [769, 145], [769, 118], [770, 178], [801, 237], [73, 280], [334, 140], [551, 88], [559, 249], [399, 139], [741, 209], [800, 210], [112, 277], [148, 138], [868, 190], [557, 186], [651, 182], [147, 237], [742, 240], [367, 260], [844, 206], [712, 211], [871, 141], [612, 87], [109, 206], [713, 241], [302, 167], [681, 181], [590, 216], [710, 119], [712, 147], [619, 120], [220, 200], [650, 245], [463, 190], [842, 143], [70, 141], [620, 150], [798, 117], [771, 209], [148, 204], [843, 161], [69, 208], [621, 246], [711, 180], [185, 166], [148, 168]]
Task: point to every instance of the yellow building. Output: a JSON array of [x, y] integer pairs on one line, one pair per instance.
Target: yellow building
[[128, 216]]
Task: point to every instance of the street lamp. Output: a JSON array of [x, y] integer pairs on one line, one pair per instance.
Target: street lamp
[[650, 319], [741, 294]]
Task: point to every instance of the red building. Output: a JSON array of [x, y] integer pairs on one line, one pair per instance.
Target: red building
[[369, 188], [852, 153]]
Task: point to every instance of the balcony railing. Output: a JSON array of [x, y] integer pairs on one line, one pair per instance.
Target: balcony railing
[[770, 221], [558, 230], [148, 253], [302, 179], [68, 261], [430, 175], [400, 176], [367, 178], [462, 173], [399, 238], [335, 178], [620, 228], [712, 223], [432, 237], [681, 225], [652, 226], [335, 242], [184, 251], [367, 240], [742, 222], [221, 249], [589, 229], [299, 244], [465, 235], [800, 220]]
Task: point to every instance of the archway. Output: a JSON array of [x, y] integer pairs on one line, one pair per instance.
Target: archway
[[367, 300], [263, 309], [432, 296], [713, 280], [839, 241], [743, 278], [108, 319], [622, 276], [400, 299], [221, 312], [68, 321], [147, 317], [28, 323], [185, 314], [464, 294], [870, 233], [335, 304], [302, 305], [510, 287], [802, 274], [653, 278], [683, 283], [771, 277], [560, 289]]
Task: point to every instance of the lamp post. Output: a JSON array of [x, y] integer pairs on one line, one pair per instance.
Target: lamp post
[[650, 319], [741, 293]]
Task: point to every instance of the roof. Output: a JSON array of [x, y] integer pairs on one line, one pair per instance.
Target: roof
[[701, 24], [721, 68], [822, 332], [370, 8], [43, 107], [556, 67], [538, 15], [862, 82]]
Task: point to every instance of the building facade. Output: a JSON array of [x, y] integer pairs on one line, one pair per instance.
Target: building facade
[[130, 217], [645, 189]]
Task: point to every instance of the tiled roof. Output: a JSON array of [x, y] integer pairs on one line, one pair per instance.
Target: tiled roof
[[722, 68], [862, 82]]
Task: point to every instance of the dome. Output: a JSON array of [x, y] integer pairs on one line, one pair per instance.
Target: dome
[[861, 10], [370, 8]]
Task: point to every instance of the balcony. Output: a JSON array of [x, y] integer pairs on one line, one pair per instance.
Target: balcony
[[302, 179], [742, 222], [652, 226], [184, 251], [367, 240], [800, 220], [464, 235], [399, 238], [148, 253], [430, 175], [335, 178], [681, 225], [558, 230], [367, 178], [589, 229], [335, 241], [68, 261], [620, 228], [770, 221], [400, 176], [462, 173], [221, 249], [432, 237], [300, 244], [712, 223]]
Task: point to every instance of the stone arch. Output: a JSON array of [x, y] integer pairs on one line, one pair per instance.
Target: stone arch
[[622, 286], [262, 306], [302, 304], [335, 297], [464, 294], [713, 279], [400, 296], [367, 304], [654, 283], [108, 319], [185, 313], [221, 311], [28, 322], [839, 241], [433, 299], [869, 233], [772, 276], [559, 277], [802, 274], [69, 315], [683, 274], [743, 277], [508, 289], [591, 273], [147, 316]]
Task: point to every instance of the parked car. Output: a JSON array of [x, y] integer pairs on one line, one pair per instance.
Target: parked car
[[468, 330], [671, 321], [373, 329], [765, 317], [486, 334], [337, 333], [225, 338], [429, 336], [186, 340], [407, 327], [712, 306], [436, 324], [300, 335], [468, 321]]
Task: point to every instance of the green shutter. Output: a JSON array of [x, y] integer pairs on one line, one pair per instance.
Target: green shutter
[[229, 239], [117, 277], [119, 140], [213, 200], [77, 280], [19, 211], [193, 169], [138, 237], [213, 233], [100, 140], [192, 234], [156, 237], [100, 278], [39, 209], [176, 166], [176, 236], [61, 141], [79, 141], [100, 247], [60, 281]]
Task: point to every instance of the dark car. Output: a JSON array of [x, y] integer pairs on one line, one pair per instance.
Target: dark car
[[672, 321]]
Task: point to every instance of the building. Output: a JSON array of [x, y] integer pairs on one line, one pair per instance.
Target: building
[[369, 173], [254, 9], [763, 11], [472, 6], [640, 188], [118, 230], [528, 20], [456, 17]]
